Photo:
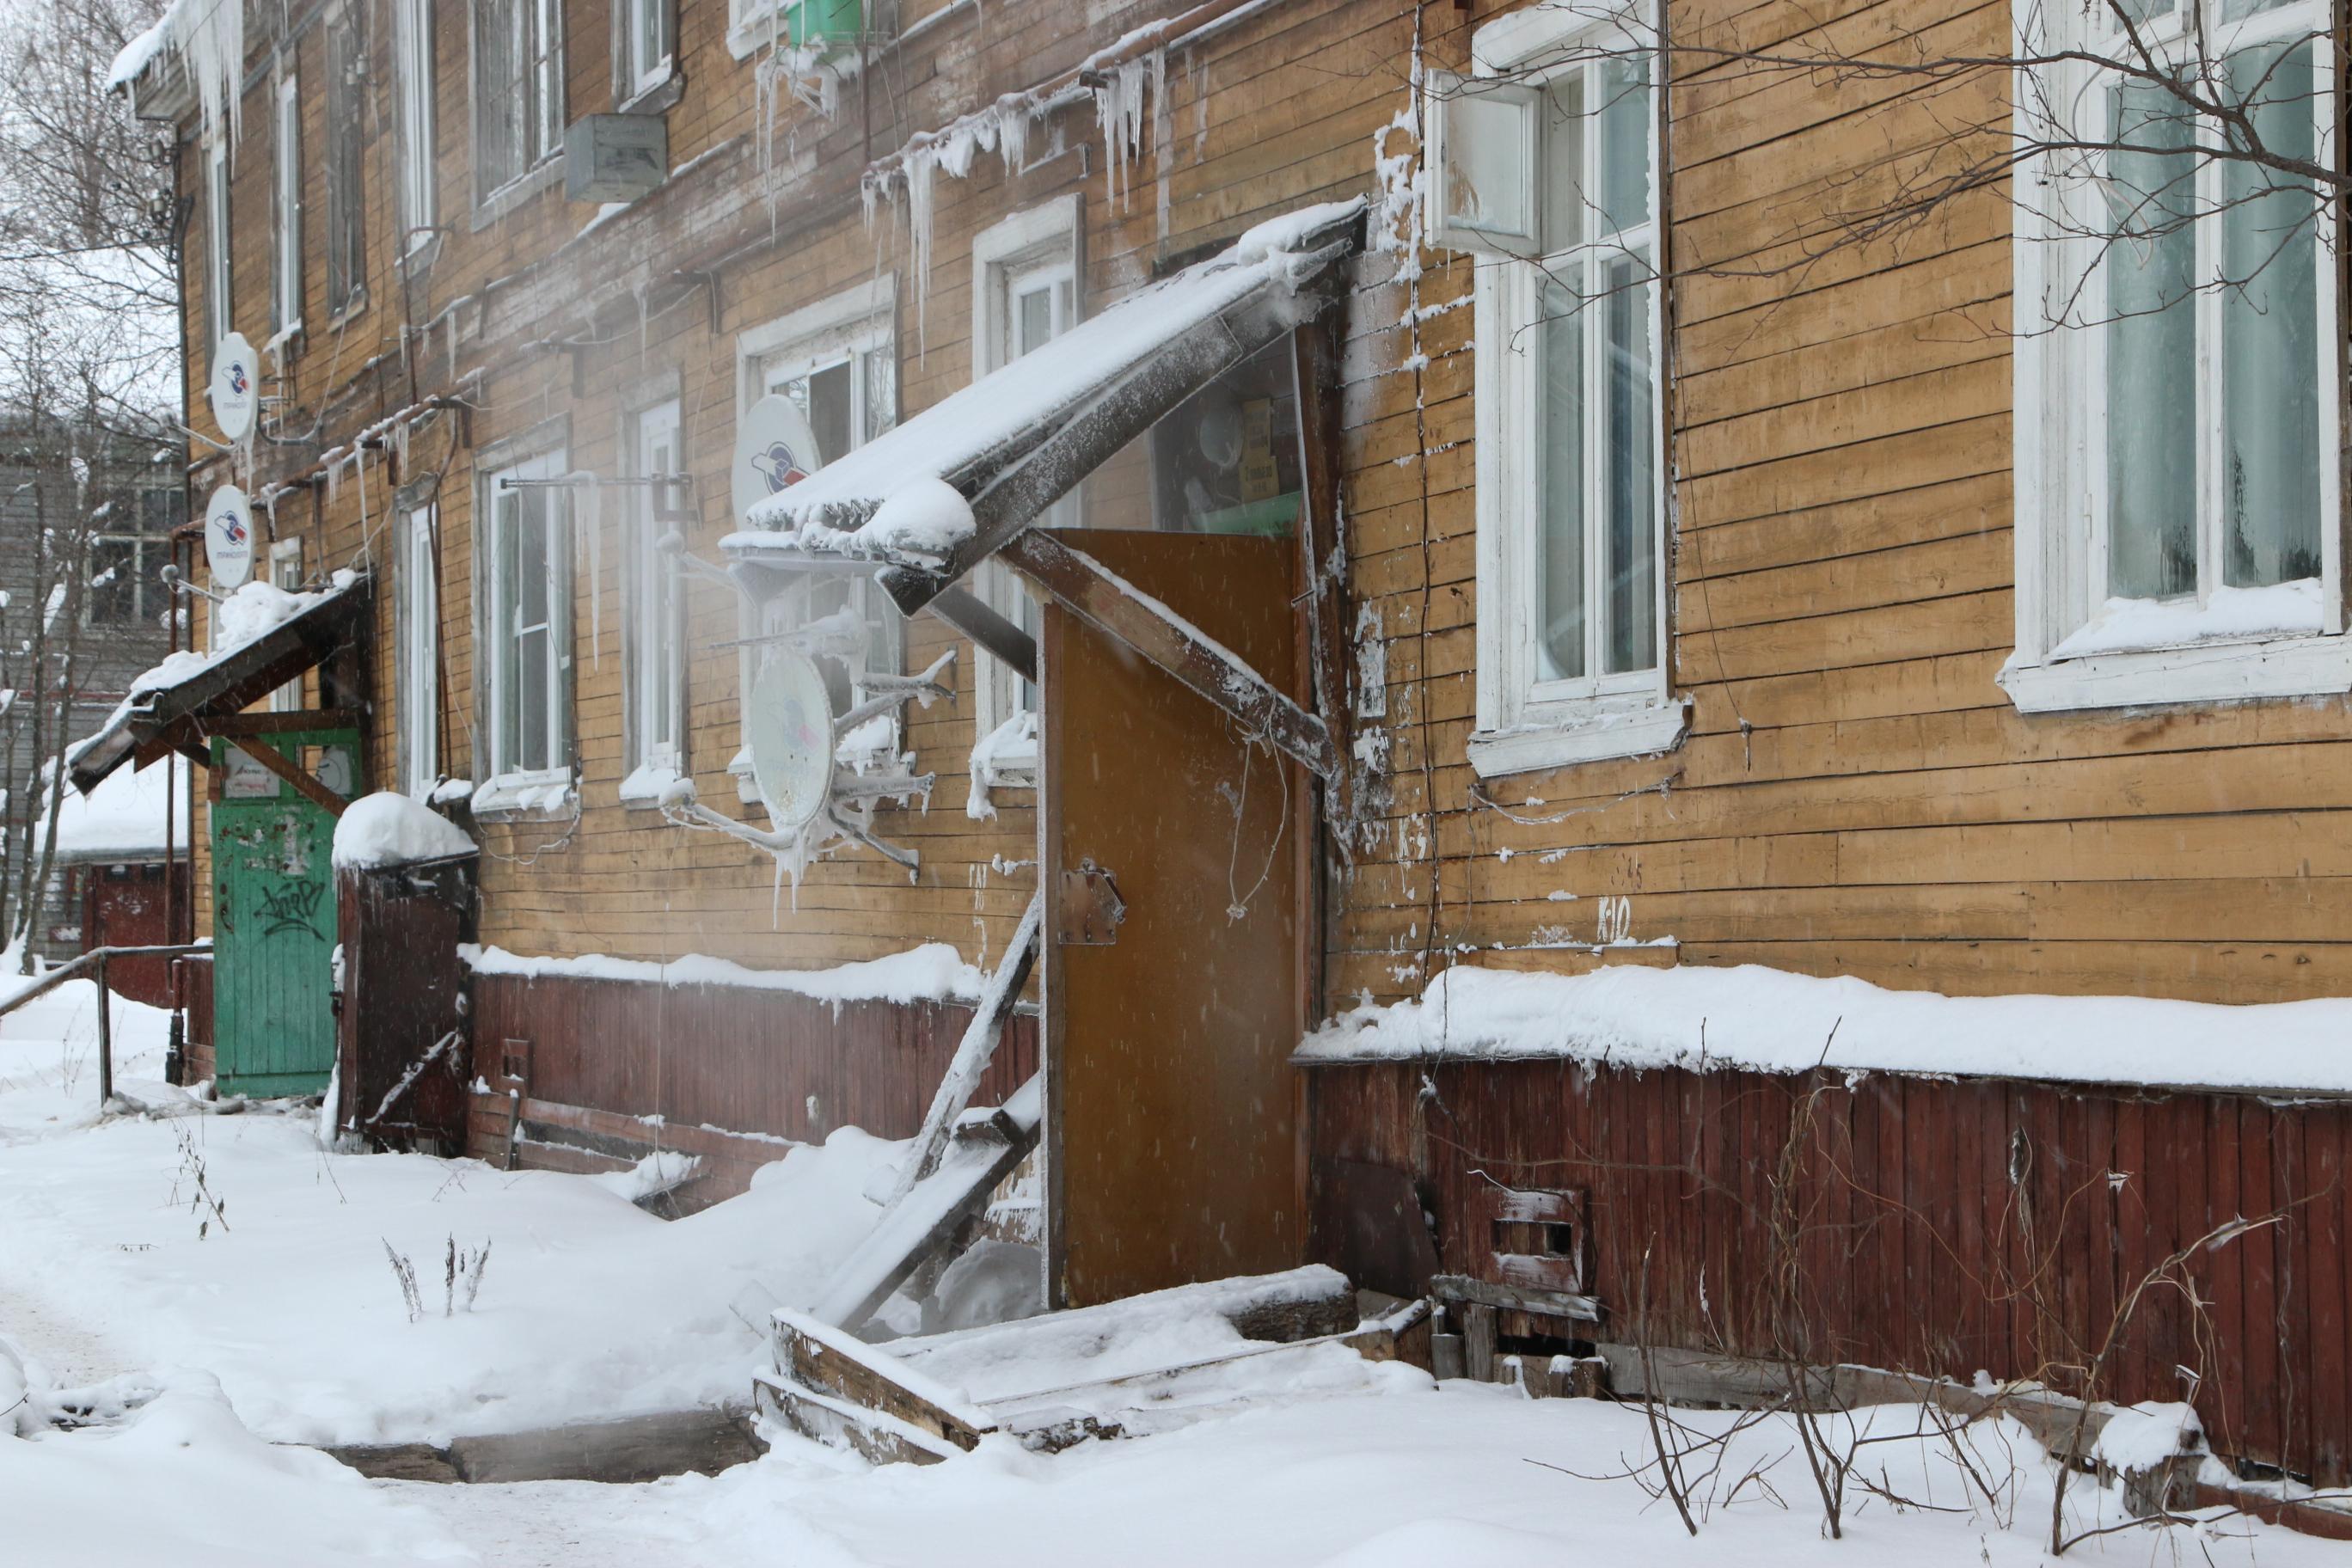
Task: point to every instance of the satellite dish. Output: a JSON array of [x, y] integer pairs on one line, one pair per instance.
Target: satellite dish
[[791, 733], [235, 387], [774, 448], [228, 538]]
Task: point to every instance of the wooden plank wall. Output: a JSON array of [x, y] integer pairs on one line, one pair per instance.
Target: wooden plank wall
[[735, 1072], [1935, 1226]]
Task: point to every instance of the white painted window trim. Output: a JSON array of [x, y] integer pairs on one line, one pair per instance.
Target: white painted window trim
[[654, 591], [286, 572], [653, 75], [753, 26], [540, 166], [1046, 240], [513, 789], [420, 651], [419, 173], [286, 208], [219, 283], [1521, 726], [851, 322], [2057, 386]]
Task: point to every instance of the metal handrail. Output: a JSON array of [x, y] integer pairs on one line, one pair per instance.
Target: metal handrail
[[73, 969]]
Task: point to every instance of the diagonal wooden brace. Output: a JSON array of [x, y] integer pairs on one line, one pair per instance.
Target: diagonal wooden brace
[[270, 757], [1107, 602]]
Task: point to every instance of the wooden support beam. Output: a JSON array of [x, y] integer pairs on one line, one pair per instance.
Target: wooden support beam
[[975, 1050], [979, 620], [1109, 603], [270, 757], [235, 725]]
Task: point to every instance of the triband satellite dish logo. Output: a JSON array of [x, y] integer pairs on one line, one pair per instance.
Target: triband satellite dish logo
[[779, 467], [228, 538], [234, 402], [774, 450]]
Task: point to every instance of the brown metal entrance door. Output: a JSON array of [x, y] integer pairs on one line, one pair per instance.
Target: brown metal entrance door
[[1170, 1098]]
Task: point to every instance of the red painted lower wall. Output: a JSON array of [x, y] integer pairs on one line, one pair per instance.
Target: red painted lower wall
[[1928, 1225]]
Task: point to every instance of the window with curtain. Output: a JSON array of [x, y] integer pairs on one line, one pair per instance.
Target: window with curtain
[[518, 88], [1548, 168], [2177, 422]]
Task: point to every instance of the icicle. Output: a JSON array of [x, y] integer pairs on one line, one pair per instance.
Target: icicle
[[1013, 116], [1163, 133], [920, 165], [1200, 108], [334, 475], [583, 482]]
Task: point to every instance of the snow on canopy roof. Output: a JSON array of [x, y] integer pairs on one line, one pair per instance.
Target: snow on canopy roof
[[243, 622], [993, 420], [1767, 1020], [122, 819]]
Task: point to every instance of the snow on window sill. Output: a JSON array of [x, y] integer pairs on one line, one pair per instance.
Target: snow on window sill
[[1637, 732], [871, 745], [2229, 616], [660, 92], [652, 786], [497, 204], [543, 793], [2309, 664], [1005, 758]]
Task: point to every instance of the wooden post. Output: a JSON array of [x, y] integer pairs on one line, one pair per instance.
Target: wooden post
[[105, 1037]]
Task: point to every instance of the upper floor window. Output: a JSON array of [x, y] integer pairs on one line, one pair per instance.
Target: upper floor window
[[643, 34], [127, 556], [525, 634], [1545, 167], [346, 102], [286, 285], [837, 361], [518, 88], [1025, 293], [412, 37], [418, 581], [2178, 421], [219, 301], [654, 599]]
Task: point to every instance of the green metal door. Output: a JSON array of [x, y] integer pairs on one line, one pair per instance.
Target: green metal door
[[274, 914]]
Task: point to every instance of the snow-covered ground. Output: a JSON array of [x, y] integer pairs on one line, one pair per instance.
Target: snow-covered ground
[[271, 1316]]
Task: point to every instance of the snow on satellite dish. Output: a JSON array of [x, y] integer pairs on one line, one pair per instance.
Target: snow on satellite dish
[[236, 393], [228, 538], [773, 447], [791, 725]]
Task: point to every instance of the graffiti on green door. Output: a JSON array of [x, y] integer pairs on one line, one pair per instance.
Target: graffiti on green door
[[273, 915]]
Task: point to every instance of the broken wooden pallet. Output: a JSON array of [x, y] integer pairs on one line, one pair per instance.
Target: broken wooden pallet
[[901, 1402], [985, 1147]]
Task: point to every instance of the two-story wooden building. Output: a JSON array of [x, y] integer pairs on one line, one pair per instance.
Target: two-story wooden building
[[1412, 491]]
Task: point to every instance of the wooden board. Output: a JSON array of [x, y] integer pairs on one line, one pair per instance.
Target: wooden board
[[1168, 1092]]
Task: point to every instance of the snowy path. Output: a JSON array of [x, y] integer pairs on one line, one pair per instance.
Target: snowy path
[[68, 1349], [551, 1524]]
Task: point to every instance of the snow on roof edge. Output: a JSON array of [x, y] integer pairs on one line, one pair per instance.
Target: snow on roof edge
[[935, 971], [1767, 1020]]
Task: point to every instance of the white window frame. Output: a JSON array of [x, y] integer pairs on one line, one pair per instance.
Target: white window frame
[[633, 74], [412, 32], [342, 163], [845, 326], [219, 279], [500, 785], [541, 77], [2060, 429], [755, 25], [653, 608], [286, 572], [419, 693], [1524, 723], [1041, 246], [286, 208]]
